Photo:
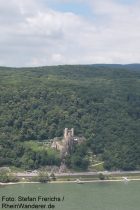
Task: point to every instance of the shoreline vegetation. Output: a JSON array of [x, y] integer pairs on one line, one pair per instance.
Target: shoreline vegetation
[[74, 181], [80, 178]]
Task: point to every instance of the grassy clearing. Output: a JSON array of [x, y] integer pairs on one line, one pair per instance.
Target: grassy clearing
[[35, 146]]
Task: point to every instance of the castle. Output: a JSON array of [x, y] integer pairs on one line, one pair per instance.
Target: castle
[[65, 146]]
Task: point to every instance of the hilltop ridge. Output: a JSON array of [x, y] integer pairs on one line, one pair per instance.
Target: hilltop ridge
[[102, 103]]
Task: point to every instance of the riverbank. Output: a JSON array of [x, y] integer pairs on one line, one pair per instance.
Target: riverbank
[[13, 183], [96, 181], [83, 177], [74, 181]]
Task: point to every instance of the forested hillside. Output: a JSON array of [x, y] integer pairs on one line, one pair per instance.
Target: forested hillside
[[100, 102]]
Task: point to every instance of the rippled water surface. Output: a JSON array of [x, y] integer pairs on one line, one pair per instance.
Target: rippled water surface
[[88, 196]]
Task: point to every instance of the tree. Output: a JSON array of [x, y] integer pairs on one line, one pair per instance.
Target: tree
[[101, 176], [5, 177], [43, 177], [52, 176]]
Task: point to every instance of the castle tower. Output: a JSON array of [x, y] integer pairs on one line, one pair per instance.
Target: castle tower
[[68, 140], [65, 133], [72, 132], [68, 133]]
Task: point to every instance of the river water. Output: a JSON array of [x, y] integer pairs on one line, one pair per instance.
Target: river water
[[87, 196]]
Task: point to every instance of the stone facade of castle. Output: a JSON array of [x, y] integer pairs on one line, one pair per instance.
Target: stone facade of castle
[[66, 145]]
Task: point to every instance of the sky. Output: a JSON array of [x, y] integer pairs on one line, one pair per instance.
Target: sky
[[57, 32]]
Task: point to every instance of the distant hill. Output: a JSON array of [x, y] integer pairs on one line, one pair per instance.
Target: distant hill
[[134, 66], [101, 102]]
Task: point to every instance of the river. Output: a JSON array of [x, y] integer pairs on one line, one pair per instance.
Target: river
[[73, 196]]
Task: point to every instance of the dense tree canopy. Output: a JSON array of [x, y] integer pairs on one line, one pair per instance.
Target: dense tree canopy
[[101, 102]]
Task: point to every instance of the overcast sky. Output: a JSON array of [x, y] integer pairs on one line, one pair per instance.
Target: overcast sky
[[51, 32]]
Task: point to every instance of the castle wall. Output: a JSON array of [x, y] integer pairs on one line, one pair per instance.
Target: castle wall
[[65, 146]]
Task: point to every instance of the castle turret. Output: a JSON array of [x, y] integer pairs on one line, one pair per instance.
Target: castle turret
[[65, 133], [72, 132], [68, 133]]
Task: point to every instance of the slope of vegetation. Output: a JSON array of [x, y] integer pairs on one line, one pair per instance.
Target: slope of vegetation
[[101, 102]]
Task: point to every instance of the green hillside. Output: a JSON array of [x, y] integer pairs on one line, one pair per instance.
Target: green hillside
[[100, 102]]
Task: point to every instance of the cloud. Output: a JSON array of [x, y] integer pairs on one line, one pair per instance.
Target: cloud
[[33, 34]]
